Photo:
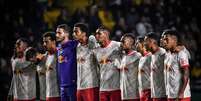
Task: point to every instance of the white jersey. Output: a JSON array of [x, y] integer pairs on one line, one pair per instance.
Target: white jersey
[[129, 76], [108, 59], [24, 79], [42, 81], [158, 89], [176, 62], [144, 72], [187, 52], [52, 88], [167, 63], [87, 68]]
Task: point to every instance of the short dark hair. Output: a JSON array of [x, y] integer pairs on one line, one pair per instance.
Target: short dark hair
[[173, 33], [83, 27], [24, 40], [102, 28], [154, 36], [52, 35], [65, 27], [128, 35], [140, 39]]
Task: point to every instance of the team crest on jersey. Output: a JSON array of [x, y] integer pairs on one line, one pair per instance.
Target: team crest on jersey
[[60, 59]]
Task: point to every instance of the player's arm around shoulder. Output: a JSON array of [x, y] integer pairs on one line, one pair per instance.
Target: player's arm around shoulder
[[184, 67]]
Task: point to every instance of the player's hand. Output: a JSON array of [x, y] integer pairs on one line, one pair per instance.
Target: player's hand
[[40, 56], [49, 68], [41, 73], [181, 95], [123, 69], [141, 71]]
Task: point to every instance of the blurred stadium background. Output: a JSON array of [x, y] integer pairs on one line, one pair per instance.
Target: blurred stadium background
[[31, 18]]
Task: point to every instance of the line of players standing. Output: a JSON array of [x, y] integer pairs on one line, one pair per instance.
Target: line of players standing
[[93, 67]]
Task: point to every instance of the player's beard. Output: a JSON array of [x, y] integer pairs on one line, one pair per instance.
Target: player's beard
[[20, 54], [138, 49], [126, 50], [59, 40], [148, 48], [51, 50]]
